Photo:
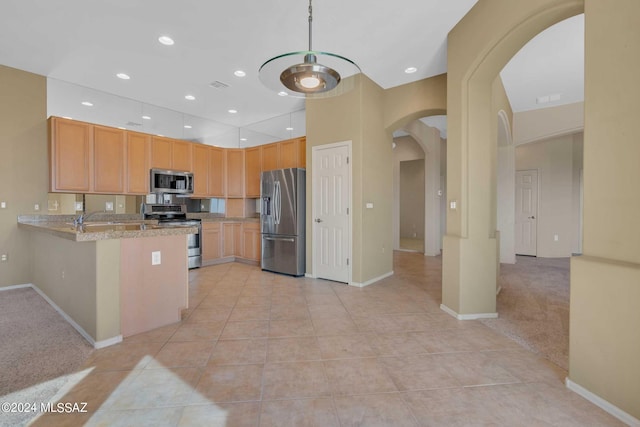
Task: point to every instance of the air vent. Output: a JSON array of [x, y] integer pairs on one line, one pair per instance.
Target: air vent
[[218, 85], [133, 124]]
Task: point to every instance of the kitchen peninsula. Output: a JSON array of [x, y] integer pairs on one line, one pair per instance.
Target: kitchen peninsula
[[110, 279]]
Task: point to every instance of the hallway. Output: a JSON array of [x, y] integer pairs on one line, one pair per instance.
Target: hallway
[[258, 348]]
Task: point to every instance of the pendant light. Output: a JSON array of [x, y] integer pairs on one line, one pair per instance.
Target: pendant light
[[309, 77]]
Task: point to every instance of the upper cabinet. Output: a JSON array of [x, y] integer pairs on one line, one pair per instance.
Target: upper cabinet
[[217, 172], [235, 172], [270, 155], [161, 152], [70, 155], [88, 158], [293, 153], [200, 162], [109, 160], [138, 161], [181, 155], [252, 169]]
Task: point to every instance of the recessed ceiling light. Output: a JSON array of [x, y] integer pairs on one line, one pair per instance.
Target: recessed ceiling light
[[289, 128], [146, 118], [166, 40], [87, 104], [243, 139], [190, 97], [232, 111], [239, 73], [410, 70], [283, 93], [123, 76], [187, 126]]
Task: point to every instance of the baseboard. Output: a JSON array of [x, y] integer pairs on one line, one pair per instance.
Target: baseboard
[[309, 275], [8, 288], [95, 344], [369, 282], [473, 316], [602, 404]]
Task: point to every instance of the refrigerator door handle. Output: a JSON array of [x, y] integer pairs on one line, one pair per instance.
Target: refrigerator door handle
[[278, 201], [280, 239]]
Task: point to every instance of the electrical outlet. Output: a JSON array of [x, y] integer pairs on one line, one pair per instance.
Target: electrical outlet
[[108, 206], [4, 258], [156, 258], [36, 207], [79, 207], [62, 274], [3, 205], [555, 237]]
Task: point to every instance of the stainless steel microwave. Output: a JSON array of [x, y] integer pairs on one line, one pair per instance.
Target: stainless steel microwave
[[171, 182]]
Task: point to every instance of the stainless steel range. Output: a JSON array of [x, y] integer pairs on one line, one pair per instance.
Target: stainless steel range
[[174, 215]]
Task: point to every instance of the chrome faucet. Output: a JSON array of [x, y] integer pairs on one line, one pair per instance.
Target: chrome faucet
[[79, 221]]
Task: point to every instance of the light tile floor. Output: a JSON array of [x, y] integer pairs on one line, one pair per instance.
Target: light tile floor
[[262, 349]]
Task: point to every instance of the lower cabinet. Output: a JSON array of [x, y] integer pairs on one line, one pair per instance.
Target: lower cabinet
[[232, 240], [251, 241], [211, 241]]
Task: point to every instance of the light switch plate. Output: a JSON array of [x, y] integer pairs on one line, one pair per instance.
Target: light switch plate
[[3, 205], [78, 206], [156, 258], [369, 205]]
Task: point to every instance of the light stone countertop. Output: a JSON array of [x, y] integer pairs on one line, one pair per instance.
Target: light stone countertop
[[101, 230]]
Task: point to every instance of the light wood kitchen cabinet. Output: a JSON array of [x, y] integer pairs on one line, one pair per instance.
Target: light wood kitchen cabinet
[[211, 241], [200, 162], [181, 155], [108, 160], [217, 174], [138, 160], [251, 241], [70, 155], [161, 152], [232, 239], [235, 172], [293, 153], [252, 169], [270, 155]]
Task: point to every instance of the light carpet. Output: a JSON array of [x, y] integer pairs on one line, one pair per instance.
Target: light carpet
[[533, 306], [39, 349]]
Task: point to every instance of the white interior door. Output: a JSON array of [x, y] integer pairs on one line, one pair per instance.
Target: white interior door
[[526, 212], [331, 224]]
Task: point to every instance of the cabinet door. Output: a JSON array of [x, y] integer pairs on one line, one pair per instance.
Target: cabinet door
[[216, 172], [293, 153], [200, 161], [228, 246], [237, 239], [252, 169], [181, 155], [270, 154], [211, 241], [108, 160], [235, 172], [70, 153], [251, 241], [161, 152], [138, 151]]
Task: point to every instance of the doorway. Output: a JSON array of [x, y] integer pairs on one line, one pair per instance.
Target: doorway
[[526, 212], [412, 216]]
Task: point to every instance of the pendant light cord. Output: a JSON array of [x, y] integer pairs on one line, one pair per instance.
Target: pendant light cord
[[310, 19]]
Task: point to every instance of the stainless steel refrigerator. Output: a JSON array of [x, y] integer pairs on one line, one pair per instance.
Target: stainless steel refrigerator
[[282, 218]]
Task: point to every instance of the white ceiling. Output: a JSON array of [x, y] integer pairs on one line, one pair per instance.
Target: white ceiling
[[87, 42]]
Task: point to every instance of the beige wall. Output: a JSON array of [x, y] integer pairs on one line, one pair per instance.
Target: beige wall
[[23, 165], [558, 121], [604, 342], [412, 199], [605, 282], [357, 116], [558, 164]]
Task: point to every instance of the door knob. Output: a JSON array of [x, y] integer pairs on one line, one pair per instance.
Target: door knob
[[532, 217], [318, 220]]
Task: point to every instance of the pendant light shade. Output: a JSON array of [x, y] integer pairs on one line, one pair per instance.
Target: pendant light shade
[[288, 76]]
